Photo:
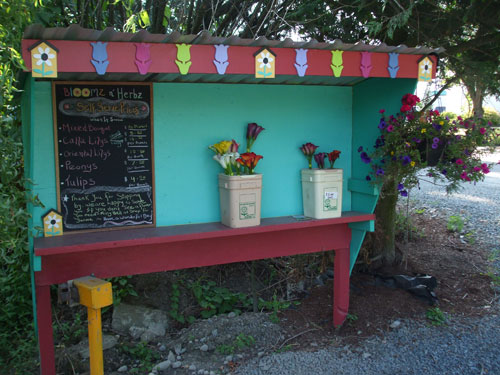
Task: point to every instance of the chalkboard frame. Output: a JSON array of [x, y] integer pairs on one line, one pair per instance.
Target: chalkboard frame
[[56, 151]]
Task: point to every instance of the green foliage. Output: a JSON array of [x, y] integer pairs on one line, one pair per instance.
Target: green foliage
[[216, 300], [284, 349], [406, 227], [241, 342], [174, 306], [70, 332], [493, 273], [122, 288], [455, 224], [492, 115], [351, 318], [143, 353], [275, 306], [436, 316], [15, 292]]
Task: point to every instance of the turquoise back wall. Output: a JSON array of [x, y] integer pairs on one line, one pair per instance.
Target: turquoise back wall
[[190, 117]]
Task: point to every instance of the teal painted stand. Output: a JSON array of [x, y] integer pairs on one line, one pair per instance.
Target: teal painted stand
[[190, 116]]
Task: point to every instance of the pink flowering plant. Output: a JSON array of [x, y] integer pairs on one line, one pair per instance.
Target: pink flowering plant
[[412, 140]]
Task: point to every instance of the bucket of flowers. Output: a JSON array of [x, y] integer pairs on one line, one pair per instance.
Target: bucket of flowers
[[322, 186], [240, 188]]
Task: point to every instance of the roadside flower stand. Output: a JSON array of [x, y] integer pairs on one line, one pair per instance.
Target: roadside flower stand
[[116, 130]]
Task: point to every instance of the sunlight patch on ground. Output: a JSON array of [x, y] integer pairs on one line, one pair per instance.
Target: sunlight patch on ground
[[465, 197]]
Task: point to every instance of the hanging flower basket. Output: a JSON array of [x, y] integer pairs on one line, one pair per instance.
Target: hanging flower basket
[[432, 153]]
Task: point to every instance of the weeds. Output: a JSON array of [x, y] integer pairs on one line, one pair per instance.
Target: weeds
[[174, 306], [143, 353], [241, 342], [436, 316], [122, 288], [275, 306], [71, 332], [351, 318], [216, 300], [455, 224]]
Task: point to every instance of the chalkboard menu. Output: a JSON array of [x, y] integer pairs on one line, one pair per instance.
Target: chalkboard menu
[[104, 154]]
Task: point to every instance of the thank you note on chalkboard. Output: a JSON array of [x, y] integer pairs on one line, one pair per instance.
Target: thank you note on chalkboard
[[103, 136]]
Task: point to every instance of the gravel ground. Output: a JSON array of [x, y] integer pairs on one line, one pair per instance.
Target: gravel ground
[[460, 348], [468, 346], [478, 205]]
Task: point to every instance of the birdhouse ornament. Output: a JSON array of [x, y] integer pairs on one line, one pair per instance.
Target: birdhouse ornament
[[425, 69], [43, 60], [52, 224], [265, 63]]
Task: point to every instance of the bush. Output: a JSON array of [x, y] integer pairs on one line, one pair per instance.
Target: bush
[[17, 341]]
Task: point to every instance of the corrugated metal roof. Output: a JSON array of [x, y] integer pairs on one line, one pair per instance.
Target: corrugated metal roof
[[75, 32]]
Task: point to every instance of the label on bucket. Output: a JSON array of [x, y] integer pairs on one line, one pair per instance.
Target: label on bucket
[[247, 206], [330, 200]]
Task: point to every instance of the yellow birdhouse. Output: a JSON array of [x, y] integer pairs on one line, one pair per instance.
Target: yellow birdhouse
[[43, 60], [425, 69], [265, 63], [52, 224]]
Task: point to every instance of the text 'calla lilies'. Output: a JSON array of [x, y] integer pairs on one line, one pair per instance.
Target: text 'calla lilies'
[[249, 160]]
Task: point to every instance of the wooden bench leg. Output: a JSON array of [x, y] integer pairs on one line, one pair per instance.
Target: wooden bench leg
[[45, 334], [341, 286]]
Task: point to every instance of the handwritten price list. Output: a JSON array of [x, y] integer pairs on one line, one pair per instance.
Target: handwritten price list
[[104, 141]]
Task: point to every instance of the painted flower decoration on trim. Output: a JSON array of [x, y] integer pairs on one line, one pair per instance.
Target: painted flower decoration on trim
[[425, 69], [52, 222], [265, 60], [44, 56]]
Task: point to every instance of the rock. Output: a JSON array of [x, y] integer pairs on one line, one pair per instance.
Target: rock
[[206, 372], [171, 357], [204, 348], [201, 371], [124, 368], [82, 348], [203, 339], [215, 333], [178, 349], [260, 354], [232, 314], [229, 358], [139, 321], [366, 355], [162, 348], [162, 365], [177, 364], [179, 357], [211, 373], [395, 324], [314, 344], [192, 368]]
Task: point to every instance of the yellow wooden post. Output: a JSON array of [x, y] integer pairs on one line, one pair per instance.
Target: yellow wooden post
[[94, 294]]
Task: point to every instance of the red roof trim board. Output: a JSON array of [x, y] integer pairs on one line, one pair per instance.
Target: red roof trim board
[[76, 56]]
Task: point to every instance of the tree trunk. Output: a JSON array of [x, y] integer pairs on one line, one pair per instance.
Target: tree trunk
[[476, 93], [385, 231]]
